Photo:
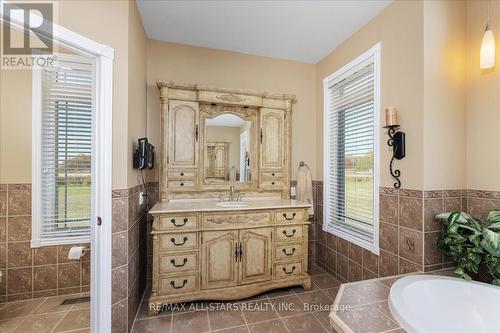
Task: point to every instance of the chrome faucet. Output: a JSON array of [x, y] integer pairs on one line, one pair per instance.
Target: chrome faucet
[[233, 195]]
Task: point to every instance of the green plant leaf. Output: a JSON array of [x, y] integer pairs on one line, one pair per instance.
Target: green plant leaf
[[496, 282], [494, 216], [491, 242]]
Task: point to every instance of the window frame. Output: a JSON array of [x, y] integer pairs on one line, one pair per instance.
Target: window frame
[[344, 72], [36, 165]]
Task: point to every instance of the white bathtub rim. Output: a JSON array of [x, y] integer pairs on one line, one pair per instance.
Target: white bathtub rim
[[406, 280]]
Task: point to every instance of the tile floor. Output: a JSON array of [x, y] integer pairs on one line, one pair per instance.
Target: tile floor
[[45, 315], [289, 310]]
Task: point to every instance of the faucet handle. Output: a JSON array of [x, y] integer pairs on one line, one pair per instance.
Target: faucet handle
[[221, 197], [239, 197]]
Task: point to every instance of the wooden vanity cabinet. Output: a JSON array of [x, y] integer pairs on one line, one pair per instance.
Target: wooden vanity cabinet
[[221, 253], [227, 255]]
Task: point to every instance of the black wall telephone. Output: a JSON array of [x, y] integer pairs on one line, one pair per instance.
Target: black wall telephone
[[144, 156]]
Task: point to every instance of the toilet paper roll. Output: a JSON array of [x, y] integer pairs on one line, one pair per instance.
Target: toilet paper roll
[[76, 252]]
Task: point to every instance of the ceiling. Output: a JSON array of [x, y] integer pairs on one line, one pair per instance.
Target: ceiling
[[305, 31]]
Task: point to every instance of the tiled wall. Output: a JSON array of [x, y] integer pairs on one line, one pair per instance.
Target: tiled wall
[[129, 253], [480, 203], [32, 273], [408, 235]]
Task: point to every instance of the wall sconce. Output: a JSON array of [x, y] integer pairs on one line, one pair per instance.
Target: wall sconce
[[487, 53], [396, 141]]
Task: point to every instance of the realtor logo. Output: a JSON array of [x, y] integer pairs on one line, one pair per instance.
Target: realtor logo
[[35, 24]]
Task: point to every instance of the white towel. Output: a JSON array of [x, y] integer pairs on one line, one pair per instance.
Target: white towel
[[304, 187]]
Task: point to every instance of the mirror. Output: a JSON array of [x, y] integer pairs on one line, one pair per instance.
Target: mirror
[[227, 149]]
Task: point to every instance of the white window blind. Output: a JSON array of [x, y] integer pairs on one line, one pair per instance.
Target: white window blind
[[351, 156], [65, 151]]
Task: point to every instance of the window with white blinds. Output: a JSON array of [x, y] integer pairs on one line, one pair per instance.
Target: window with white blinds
[[62, 143], [351, 151]]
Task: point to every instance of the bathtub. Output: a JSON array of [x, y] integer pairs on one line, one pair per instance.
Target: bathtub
[[439, 304]]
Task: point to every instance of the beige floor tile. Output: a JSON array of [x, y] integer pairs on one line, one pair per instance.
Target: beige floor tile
[[44, 323], [280, 292], [53, 304], [383, 306], [287, 305], [272, 326], [332, 292], [300, 289], [305, 323], [366, 319], [389, 281], [154, 325], [239, 329], [315, 270], [192, 322], [325, 281], [19, 309], [371, 291], [8, 326], [225, 319], [350, 298], [258, 311], [324, 318], [315, 301], [73, 320]]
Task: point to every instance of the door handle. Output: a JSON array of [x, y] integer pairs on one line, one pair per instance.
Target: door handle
[[236, 252], [172, 283], [179, 225], [179, 265], [289, 218], [287, 235], [241, 251], [196, 133], [289, 254], [178, 244], [289, 272]]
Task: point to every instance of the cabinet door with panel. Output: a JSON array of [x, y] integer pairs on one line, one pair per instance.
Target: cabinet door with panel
[[255, 255], [272, 135], [219, 266], [183, 135]]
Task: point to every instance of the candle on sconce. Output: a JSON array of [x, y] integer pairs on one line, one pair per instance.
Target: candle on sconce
[[391, 116]]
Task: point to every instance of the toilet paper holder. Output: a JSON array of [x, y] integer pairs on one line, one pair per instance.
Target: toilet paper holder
[[77, 252]]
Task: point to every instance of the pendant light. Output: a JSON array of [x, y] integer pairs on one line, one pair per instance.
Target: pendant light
[[487, 54]]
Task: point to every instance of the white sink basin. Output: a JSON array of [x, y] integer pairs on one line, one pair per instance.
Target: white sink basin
[[437, 304], [232, 204]]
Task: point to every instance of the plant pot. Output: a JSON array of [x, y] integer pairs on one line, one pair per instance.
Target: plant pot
[[483, 275]]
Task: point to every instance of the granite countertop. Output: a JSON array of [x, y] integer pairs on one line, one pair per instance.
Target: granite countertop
[[211, 205]]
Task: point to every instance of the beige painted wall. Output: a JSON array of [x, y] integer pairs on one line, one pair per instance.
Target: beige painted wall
[[483, 102], [126, 36], [136, 88], [188, 64], [399, 29], [75, 15], [444, 136], [15, 126]]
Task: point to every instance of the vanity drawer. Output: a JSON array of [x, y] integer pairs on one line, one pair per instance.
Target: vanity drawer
[[287, 252], [288, 234], [178, 284], [182, 174], [270, 184], [285, 270], [173, 263], [272, 175], [234, 219], [178, 222], [181, 184], [290, 216], [178, 241]]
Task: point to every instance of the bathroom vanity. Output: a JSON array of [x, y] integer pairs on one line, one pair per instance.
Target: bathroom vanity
[[210, 243]]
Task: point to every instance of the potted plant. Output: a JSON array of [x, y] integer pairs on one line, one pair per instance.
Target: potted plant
[[473, 245]]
